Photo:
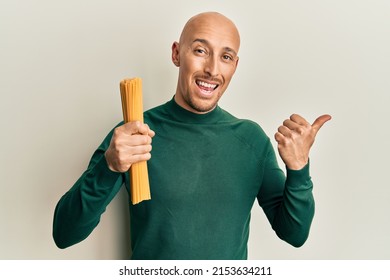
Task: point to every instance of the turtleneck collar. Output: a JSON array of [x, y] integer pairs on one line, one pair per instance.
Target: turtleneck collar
[[180, 114]]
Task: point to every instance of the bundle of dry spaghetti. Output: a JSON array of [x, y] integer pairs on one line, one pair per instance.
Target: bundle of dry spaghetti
[[132, 107]]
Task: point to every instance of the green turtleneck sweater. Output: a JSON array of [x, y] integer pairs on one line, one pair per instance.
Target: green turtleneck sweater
[[205, 173]]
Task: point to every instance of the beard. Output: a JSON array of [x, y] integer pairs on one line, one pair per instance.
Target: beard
[[201, 106]]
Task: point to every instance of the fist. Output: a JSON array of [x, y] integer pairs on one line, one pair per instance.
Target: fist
[[295, 138], [130, 143]]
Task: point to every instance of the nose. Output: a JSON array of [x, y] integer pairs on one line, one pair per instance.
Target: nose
[[211, 66]]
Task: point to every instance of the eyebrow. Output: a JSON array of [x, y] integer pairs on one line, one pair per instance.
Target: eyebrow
[[204, 41]]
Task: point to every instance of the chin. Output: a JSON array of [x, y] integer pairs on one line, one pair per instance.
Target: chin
[[202, 106]]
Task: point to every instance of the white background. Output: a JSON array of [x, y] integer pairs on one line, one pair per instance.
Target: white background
[[60, 67]]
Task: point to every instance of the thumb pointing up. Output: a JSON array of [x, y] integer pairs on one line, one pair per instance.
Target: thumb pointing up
[[319, 122]]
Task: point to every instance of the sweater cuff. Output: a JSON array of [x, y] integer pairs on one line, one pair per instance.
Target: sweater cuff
[[299, 178]]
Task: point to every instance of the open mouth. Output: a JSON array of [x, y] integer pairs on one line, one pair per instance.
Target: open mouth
[[206, 88]]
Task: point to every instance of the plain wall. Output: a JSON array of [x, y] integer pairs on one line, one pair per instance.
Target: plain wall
[[60, 67]]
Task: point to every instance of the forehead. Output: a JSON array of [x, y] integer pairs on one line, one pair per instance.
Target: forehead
[[215, 31]]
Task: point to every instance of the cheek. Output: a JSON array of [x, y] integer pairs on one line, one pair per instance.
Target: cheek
[[228, 73], [192, 64]]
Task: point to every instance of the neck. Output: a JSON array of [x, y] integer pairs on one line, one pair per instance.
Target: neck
[[181, 114]]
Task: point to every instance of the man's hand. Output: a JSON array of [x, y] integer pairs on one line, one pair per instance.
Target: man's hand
[[130, 143], [295, 138]]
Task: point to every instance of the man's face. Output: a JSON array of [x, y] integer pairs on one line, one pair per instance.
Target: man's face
[[207, 59]]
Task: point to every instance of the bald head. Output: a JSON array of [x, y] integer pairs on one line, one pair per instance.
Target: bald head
[[208, 21]]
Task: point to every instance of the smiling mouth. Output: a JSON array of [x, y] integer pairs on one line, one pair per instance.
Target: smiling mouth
[[206, 87]]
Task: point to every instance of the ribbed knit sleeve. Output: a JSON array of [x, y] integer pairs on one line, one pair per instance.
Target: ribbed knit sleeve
[[78, 212], [287, 201]]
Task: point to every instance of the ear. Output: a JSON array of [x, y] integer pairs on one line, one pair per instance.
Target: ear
[[175, 53]]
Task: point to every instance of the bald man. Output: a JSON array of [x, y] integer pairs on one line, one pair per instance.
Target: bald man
[[208, 167]]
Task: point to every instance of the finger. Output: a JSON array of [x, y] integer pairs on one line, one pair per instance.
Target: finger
[[143, 129], [291, 124], [150, 132], [299, 120], [122, 162], [140, 153], [137, 127], [124, 141], [284, 131], [138, 140], [132, 127], [140, 150], [140, 157], [320, 121], [279, 137]]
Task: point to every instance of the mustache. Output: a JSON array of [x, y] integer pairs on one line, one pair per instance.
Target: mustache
[[210, 79]]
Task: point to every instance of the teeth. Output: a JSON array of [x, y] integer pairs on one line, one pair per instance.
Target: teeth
[[207, 85]]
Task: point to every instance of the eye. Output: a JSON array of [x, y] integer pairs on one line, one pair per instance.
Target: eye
[[227, 57], [199, 51]]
